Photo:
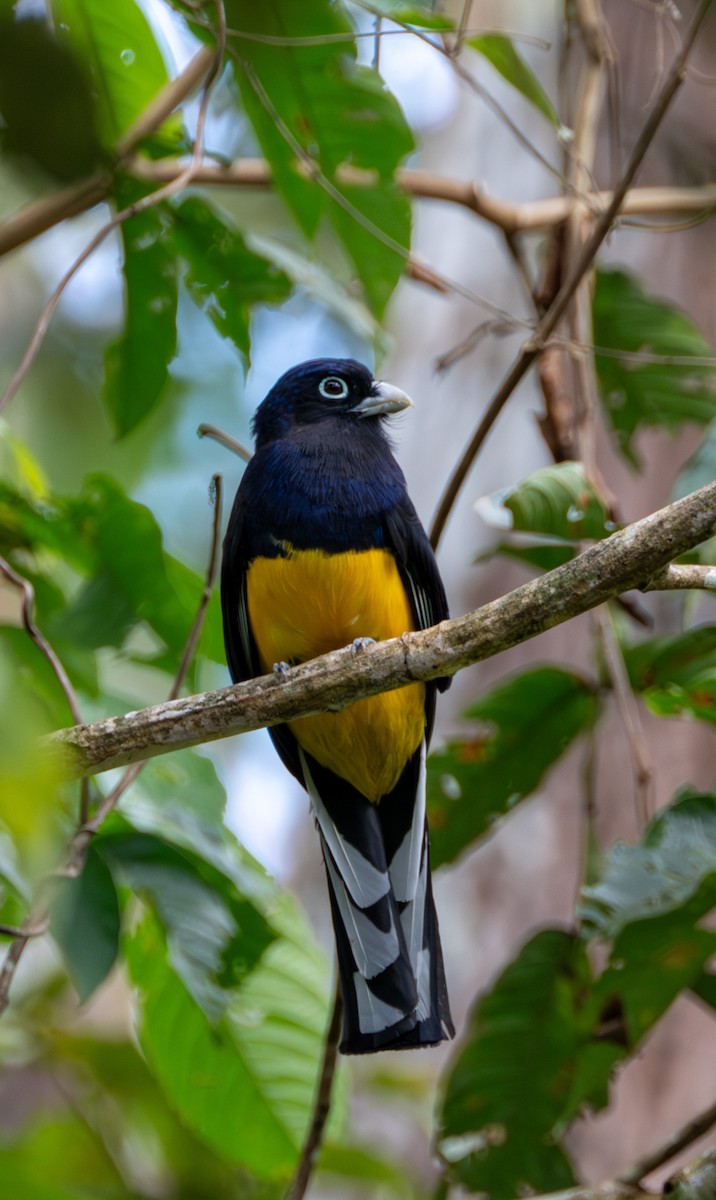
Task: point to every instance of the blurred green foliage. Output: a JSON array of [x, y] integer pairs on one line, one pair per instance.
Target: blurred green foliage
[[210, 1092]]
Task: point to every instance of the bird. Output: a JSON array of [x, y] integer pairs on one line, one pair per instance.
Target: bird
[[324, 549]]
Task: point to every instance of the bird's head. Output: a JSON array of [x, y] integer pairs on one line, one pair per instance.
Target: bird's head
[[325, 388]]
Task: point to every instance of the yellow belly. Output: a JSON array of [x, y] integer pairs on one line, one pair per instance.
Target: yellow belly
[[310, 602]]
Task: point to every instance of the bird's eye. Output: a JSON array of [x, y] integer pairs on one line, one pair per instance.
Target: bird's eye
[[333, 388]]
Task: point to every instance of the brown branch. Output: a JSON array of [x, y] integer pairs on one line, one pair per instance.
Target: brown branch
[[321, 1104], [531, 349], [225, 439], [621, 562]]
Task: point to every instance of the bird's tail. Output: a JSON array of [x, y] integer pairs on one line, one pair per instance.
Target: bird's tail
[[378, 868]]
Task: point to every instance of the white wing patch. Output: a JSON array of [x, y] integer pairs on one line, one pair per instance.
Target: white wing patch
[[373, 949], [364, 883], [404, 868]]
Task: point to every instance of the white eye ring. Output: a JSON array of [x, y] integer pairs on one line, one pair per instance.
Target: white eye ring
[[333, 388]]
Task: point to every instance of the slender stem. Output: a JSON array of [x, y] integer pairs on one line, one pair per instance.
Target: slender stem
[[690, 1132], [225, 439], [321, 1105], [532, 348], [629, 712]]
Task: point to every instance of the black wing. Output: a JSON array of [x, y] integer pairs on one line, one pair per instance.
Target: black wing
[[408, 541]]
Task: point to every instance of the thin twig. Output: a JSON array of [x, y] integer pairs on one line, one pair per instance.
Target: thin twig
[[690, 1132], [532, 348], [225, 439], [629, 712], [321, 1104]]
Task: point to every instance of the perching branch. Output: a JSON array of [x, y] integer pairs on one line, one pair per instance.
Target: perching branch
[[628, 559]]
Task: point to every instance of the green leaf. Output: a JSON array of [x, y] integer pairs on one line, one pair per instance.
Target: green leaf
[[531, 720], [128, 546], [314, 103], [512, 1083], [501, 53], [628, 321], [223, 276], [52, 126], [649, 903], [559, 501], [85, 924], [420, 14], [677, 673], [137, 364], [243, 1085], [117, 43], [215, 936], [542, 556]]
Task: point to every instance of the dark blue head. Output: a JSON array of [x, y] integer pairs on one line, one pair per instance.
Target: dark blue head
[[321, 389]]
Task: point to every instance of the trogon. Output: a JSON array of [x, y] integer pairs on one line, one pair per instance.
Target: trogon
[[324, 549]]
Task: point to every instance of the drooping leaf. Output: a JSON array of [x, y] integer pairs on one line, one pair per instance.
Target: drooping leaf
[[53, 126], [677, 673], [636, 394], [526, 1063], [243, 1084], [558, 500], [137, 364], [501, 53], [223, 276], [85, 924], [311, 103], [650, 903], [215, 936], [117, 44], [531, 720]]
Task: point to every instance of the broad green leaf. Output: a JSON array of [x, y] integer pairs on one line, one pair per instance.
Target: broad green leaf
[[215, 936], [529, 721], [85, 924], [528, 1044], [137, 364], [649, 904], [636, 394], [312, 103], [223, 276], [559, 501], [677, 673], [117, 44], [501, 53], [542, 556], [54, 125], [243, 1085], [99, 615]]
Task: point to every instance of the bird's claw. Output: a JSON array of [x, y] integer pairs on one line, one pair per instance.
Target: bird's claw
[[360, 644], [281, 669]]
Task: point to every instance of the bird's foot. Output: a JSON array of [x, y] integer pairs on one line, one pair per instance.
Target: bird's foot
[[281, 669], [360, 644]]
